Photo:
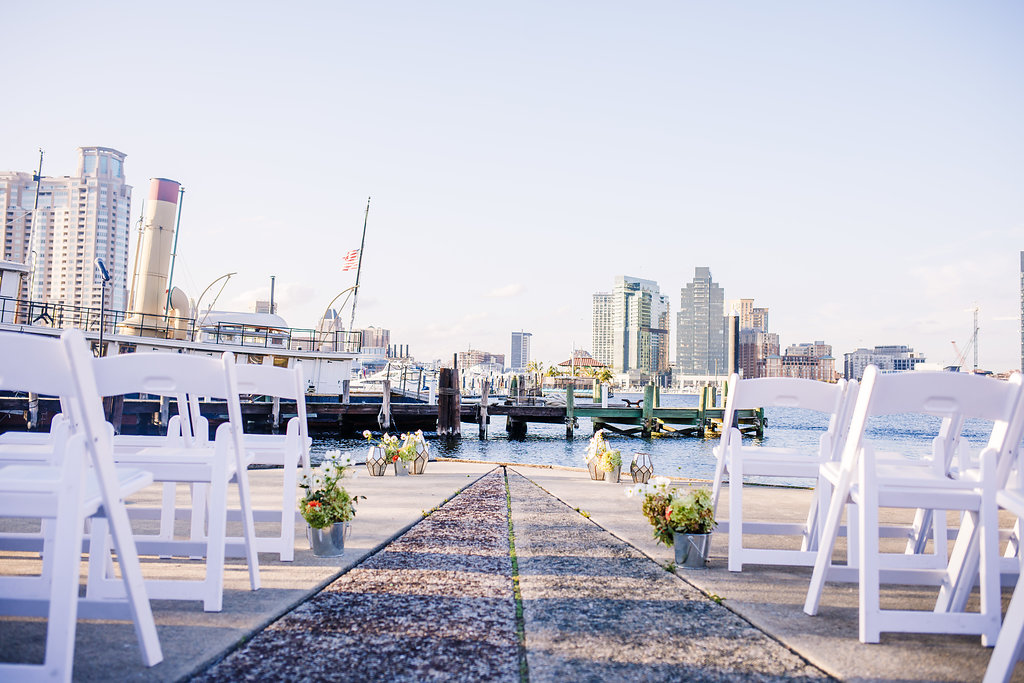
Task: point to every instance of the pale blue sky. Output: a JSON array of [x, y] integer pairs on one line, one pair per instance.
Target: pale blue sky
[[855, 167]]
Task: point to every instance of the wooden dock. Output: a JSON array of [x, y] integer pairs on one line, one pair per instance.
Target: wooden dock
[[338, 418]]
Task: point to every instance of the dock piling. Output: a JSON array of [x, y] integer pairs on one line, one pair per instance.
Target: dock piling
[[485, 390], [570, 412]]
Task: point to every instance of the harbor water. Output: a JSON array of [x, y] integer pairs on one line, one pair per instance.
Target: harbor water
[[673, 455]]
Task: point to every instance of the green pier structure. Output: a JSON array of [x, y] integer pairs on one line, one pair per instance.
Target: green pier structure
[[649, 418]]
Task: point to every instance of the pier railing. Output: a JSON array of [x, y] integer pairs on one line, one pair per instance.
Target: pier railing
[[60, 316]]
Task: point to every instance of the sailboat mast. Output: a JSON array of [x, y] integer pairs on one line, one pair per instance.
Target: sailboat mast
[[359, 267]]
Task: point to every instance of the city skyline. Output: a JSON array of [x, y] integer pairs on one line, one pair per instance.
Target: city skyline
[[856, 168]]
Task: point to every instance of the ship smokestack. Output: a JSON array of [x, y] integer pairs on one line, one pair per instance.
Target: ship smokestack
[[149, 294]]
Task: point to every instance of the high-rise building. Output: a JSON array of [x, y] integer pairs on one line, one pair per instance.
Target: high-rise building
[[893, 358], [602, 328], [755, 343], [79, 218], [520, 356], [751, 317], [630, 327], [754, 348], [701, 327]]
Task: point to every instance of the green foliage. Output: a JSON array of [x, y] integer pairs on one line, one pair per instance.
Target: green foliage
[[691, 513], [326, 502], [654, 507], [670, 510]]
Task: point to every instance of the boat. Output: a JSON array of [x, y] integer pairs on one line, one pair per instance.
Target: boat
[[165, 319]]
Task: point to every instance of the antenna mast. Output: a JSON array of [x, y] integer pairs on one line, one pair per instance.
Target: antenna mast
[[975, 339], [359, 267], [35, 254]]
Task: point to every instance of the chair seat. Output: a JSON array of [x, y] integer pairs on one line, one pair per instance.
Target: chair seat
[[19, 480]]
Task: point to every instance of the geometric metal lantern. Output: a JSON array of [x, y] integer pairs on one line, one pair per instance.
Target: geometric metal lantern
[[642, 468], [418, 464], [377, 461]]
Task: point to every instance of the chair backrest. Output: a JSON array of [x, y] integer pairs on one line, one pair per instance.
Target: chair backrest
[[789, 392], [33, 363], [38, 364], [268, 380], [161, 374], [952, 396], [276, 382], [183, 377]]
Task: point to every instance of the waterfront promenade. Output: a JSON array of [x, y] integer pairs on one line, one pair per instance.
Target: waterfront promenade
[[426, 591]]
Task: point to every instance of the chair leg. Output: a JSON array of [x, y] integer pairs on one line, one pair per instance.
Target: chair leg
[[167, 513], [736, 516], [248, 528], [200, 511], [869, 598], [216, 539], [716, 486], [65, 560], [827, 544], [288, 504]]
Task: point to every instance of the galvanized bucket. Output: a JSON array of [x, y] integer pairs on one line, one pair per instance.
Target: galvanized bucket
[[329, 541], [691, 549]]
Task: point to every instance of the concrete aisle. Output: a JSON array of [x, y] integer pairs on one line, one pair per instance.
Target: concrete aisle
[[771, 598]]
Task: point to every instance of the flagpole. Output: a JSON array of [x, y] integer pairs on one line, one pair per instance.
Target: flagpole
[[359, 267]]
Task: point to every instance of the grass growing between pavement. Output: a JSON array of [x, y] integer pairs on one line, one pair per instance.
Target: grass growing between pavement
[[524, 672]]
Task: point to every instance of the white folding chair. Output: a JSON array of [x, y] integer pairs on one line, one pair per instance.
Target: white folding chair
[[734, 460], [217, 463], [287, 451], [872, 483], [75, 482]]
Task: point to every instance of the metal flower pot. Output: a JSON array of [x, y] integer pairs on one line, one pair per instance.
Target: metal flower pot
[[612, 476], [691, 549], [329, 541], [642, 468], [377, 461], [402, 468], [418, 465], [596, 473]]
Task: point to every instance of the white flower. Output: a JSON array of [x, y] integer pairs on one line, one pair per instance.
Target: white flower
[[332, 456], [304, 479], [661, 481], [344, 460], [367, 434], [328, 470], [637, 490], [318, 479]]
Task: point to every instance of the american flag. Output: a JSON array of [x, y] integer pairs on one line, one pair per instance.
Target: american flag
[[351, 260]]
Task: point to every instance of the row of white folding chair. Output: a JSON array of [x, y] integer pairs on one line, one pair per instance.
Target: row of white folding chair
[[195, 462], [287, 451], [869, 483], [734, 461], [75, 481]]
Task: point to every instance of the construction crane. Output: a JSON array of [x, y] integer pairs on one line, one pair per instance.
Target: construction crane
[[961, 357]]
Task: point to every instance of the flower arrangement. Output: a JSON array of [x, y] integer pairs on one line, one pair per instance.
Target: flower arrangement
[[326, 502], [397, 448], [670, 510], [598, 445], [609, 460]]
